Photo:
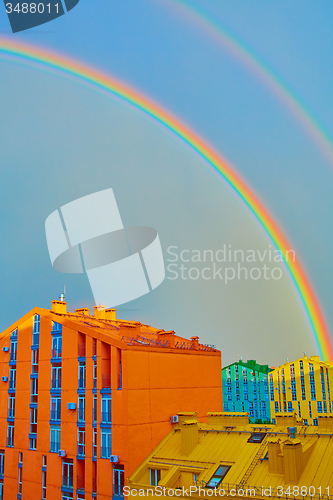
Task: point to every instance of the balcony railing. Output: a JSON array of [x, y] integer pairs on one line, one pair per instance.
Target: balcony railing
[[106, 381], [10, 442], [94, 415], [81, 415], [118, 490], [11, 412], [82, 350], [82, 383], [54, 446], [106, 417], [13, 356], [94, 383], [56, 353], [56, 383], [105, 452], [35, 339], [67, 481], [55, 414], [80, 484], [94, 450], [81, 450], [12, 384]]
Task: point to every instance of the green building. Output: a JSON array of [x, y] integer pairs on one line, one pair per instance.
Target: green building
[[245, 388]]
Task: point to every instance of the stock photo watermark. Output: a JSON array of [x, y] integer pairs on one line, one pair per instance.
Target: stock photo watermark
[[227, 264]]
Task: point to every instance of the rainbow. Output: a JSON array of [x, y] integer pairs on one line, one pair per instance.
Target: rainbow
[[250, 60], [49, 61]]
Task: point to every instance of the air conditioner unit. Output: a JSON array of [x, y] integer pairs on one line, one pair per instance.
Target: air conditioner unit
[[174, 419], [62, 453], [5, 348], [71, 406], [114, 459], [4, 379]]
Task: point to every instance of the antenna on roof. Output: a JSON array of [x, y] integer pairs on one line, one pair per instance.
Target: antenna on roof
[[62, 295]]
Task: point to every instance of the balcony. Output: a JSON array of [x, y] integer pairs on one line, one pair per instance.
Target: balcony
[[94, 383], [120, 381], [95, 451], [54, 446], [80, 483], [106, 381], [10, 441], [12, 385], [94, 415], [56, 353], [13, 355], [82, 350], [106, 417], [67, 481], [55, 414]]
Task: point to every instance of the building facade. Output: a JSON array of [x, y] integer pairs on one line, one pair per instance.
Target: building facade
[[229, 457], [83, 399], [302, 386], [245, 389]]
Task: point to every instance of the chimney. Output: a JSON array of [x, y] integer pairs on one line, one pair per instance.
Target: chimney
[[293, 461], [83, 310], [99, 312], [59, 306], [110, 314], [275, 457], [189, 436], [195, 342]]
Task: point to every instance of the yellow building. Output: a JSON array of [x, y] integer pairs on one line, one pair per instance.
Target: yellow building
[[303, 386], [228, 457]]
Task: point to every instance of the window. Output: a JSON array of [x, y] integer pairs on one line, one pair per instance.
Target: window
[[67, 473], [56, 377], [218, 476], [81, 441], [54, 438], [118, 480], [225, 407], [94, 347], [10, 435], [290, 406], [36, 330], [56, 347], [12, 378], [67, 496], [310, 410], [95, 442], [256, 437], [44, 460], [13, 349], [106, 409], [94, 407], [55, 408], [319, 407], [2, 462], [271, 387], [33, 444], [33, 420], [81, 408], [276, 404], [299, 409], [11, 407], [105, 443], [315, 421], [94, 373], [195, 477], [34, 390], [305, 421], [251, 410], [120, 374], [155, 477], [57, 327], [325, 406], [82, 375], [20, 480], [34, 360], [43, 484]]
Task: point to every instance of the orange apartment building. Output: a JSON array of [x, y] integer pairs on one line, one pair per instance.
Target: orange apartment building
[[84, 399]]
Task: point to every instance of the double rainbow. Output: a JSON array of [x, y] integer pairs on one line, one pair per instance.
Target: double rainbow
[[49, 61]]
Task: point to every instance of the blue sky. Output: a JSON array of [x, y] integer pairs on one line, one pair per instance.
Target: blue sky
[[61, 141]]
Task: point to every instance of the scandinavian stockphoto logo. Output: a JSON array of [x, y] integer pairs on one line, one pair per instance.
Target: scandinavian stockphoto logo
[[87, 235], [25, 15]]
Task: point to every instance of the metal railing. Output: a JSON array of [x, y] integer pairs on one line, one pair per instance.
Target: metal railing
[[12, 384], [67, 481], [11, 412], [55, 414], [118, 490], [106, 381], [82, 383], [80, 450], [35, 339], [56, 353], [56, 383], [81, 415], [106, 417]]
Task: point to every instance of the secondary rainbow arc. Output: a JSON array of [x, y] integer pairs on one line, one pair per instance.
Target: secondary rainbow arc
[[48, 60]]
